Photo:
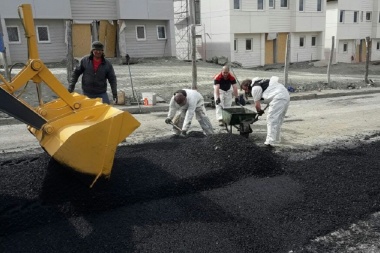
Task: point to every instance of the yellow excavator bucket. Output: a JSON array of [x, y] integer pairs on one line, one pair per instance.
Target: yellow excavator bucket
[[84, 139], [77, 131]]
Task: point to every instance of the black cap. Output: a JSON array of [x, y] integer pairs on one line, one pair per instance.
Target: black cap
[[97, 45]]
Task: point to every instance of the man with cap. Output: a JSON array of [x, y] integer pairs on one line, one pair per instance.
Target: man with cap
[[95, 70], [187, 103]]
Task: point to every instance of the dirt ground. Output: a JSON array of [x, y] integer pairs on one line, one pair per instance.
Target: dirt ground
[[165, 75]]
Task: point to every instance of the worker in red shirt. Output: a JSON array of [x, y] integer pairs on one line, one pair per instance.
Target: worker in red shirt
[[224, 87]]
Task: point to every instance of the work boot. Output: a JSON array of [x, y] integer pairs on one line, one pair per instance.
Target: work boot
[[221, 123]]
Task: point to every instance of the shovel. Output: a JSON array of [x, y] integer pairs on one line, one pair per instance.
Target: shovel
[[179, 129], [175, 126]]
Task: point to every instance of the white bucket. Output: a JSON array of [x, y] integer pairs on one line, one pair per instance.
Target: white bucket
[[149, 98]]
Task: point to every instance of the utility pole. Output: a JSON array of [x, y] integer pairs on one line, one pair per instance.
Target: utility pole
[[368, 45], [3, 52], [331, 57], [287, 55], [193, 45], [70, 57]]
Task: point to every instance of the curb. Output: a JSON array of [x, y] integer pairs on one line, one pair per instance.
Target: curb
[[332, 93], [163, 107]]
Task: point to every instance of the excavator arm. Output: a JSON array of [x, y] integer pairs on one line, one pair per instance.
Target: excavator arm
[[79, 132]]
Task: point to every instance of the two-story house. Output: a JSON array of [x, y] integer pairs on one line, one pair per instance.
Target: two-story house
[[349, 22], [255, 32], [140, 28]]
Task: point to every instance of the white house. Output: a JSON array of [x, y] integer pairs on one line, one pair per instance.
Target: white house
[[349, 22], [49, 20], [140, 28], [254, 33]]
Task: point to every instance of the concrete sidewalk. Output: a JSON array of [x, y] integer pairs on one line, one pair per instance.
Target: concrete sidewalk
[[161, 107]]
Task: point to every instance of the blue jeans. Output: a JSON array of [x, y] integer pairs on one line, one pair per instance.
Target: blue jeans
[[103, 96]]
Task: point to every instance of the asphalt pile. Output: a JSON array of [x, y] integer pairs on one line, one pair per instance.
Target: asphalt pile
[[37, 189], [220, 193]]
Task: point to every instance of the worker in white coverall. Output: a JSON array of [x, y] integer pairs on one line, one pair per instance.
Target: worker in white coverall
[[183, 105], [277, 96]]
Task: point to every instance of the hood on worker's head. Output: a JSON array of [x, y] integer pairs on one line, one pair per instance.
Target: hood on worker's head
[[273, 79]]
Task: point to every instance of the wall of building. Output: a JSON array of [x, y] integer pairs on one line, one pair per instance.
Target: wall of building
[[375, 51], [152, 46], [42, 9], [53, 51], [145, 9], [216, 19], [249, 58], [349, 54], [94, 9], [307, 52]]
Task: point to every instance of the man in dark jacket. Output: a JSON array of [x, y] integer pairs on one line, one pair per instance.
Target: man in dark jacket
[[95, 70]]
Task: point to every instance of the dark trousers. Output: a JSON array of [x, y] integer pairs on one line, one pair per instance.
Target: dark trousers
[[103, 96]]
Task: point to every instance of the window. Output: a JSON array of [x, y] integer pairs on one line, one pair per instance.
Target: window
[[345, 48], [356, 16], [161, 32], [140, 32], [378, 45], [235, 45], [300, 8], [379, 17], [197, 12], [368, 16], [341, 17], [260, 4], [319, 5], [302, 41], [236, 4], [284, 3], [248, 44], [13, 34], [43, 34], [313, 41], [271, 3], [361, 16]]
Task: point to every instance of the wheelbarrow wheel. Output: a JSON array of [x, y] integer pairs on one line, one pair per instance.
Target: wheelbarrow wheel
[[246, 135]]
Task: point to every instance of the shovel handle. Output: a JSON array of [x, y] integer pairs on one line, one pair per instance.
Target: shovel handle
[[176, 127]]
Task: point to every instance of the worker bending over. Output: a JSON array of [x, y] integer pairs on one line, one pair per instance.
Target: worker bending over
[[277, 96], [183, 105]]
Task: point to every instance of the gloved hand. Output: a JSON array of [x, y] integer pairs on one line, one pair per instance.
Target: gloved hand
[[261, 112], [237, 101], [70, 89], [168, 121], [217, 101], [115, 99]]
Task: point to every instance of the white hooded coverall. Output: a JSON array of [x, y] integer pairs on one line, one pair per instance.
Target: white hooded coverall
[[194, 105], [278, 98]]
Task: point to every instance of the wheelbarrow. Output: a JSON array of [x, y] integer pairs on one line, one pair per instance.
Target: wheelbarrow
[[239, 118]]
